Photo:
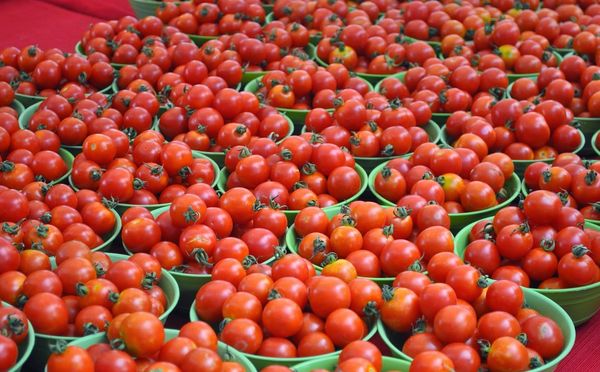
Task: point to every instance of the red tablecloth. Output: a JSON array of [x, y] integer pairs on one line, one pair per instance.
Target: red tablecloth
[[60, 23]]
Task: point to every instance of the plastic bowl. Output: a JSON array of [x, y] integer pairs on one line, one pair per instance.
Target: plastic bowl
[[252, 75], [42, 352], [68, 159], [188, 284], [291, 214], [457, 220], [535, 301], [25, 347], [292, 240], [219, 157], [144, 8], [18, 106], [520, 165], [368, 164], [580, 303], [226, 352], [296, 116], [112, 235], [594, 147], [122, 207], [117, 66], [330, 363], [261, 362]]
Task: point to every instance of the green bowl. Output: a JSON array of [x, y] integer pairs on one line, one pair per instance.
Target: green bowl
[[261, 362], [117, 66], [594, 147], [580, 303], [42, 351], [589, 127], [199, 40], [297, 116], [248, 76], [218, 158], [25, 347], [330, 363], [535, 301], [291, 214], [188, 284], [564, 51], [525, 191], [112, 236], [368, 164], [520, 165], [226, 352], [122, 207], [68, 159], [18, 106], [144, 8], [292, 240], [457, 220]]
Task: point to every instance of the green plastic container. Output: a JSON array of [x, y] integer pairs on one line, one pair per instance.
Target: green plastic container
[[68, 158], [291, 214], [261, 362], [535, 301], [297, 116], [200, 40], [42, 352], [219, 157], [117, 66], [188, 284], [330, 363], [458, 220], [144, 8], [520, 165], [226, 352], [292, 240], [580, 303], [18, 106], [25, 347], [248, 76], [594, 147], [122, 207]]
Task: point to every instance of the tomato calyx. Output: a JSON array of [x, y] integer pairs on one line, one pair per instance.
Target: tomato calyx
[[200, 256], [370, 310], [117, 344], [308, 169], [7, 166], [521, 229], [109, 203], [388, 230], [402, 212], [58, 347], [14, 326], [286, 154], [590, 177], [416, 266], [548, 245], [482, 282], [149, 280], [130, 132], [388, 150], [319, 247], [522, 338], [419, 326], [11, 229], [280, 251], [100, 271], [300, 185], [21, 300], [579, 250], [273, 295], [484, 348], [249, 261], [46, 217], [387, 292], [535, 362], [329, 258], [564, 197], [90, 329]]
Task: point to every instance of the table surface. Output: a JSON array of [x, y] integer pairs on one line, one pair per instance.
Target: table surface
[[60, 24]]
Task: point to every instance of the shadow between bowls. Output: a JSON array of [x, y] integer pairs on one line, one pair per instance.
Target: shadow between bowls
[[458, 220], [580, 303], [261, 362], [42, 350], [533, 300], [291, 214], [226, 352]]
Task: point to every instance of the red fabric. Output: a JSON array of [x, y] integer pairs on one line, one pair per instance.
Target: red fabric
[[60, 24], [45, 23]]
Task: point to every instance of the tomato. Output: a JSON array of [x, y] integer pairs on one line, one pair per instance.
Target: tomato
[[504, 295], [464, 357], [140, 234], [543, 335], [242, 334], [210, 299], [400, 309], [115, 359], [47, 313], [431, 361], [507, 353], [577, 268], [328, 294], [142, 333], [70, 357]]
